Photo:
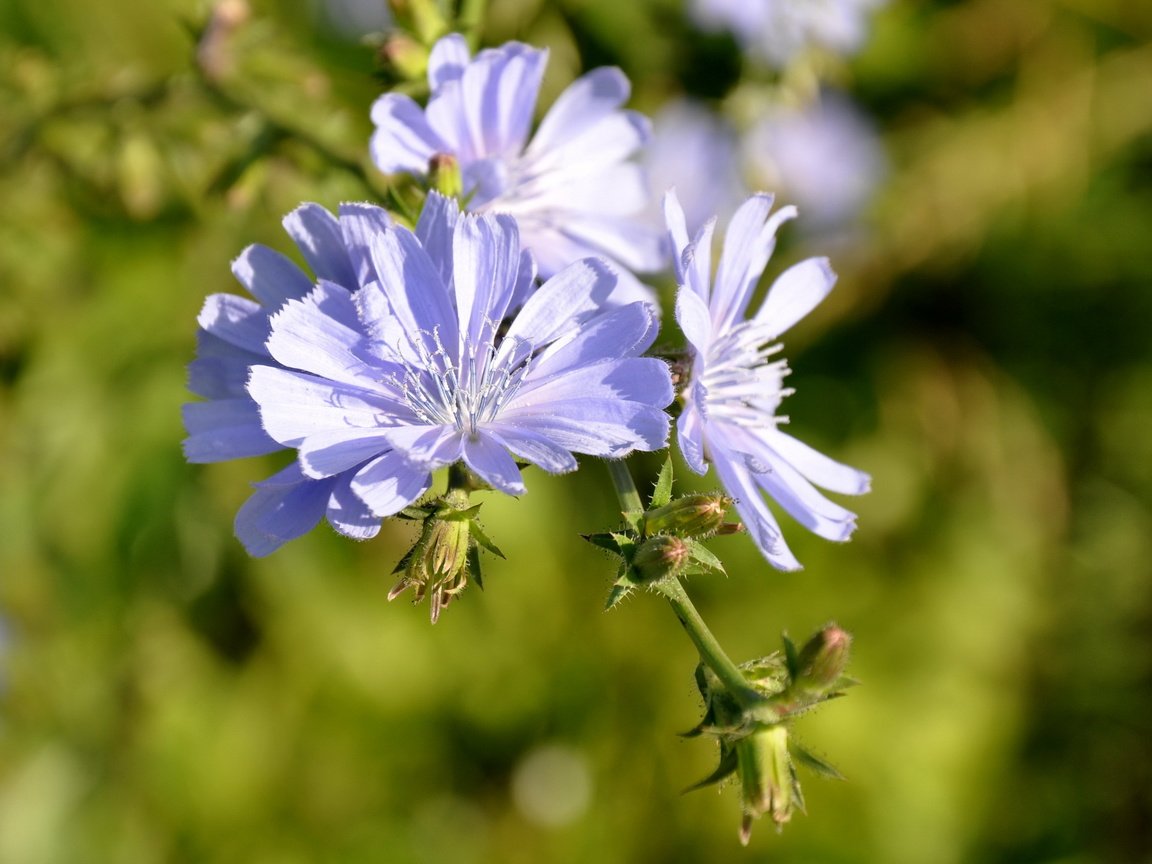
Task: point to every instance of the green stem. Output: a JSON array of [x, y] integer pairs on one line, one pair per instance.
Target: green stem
[[469, 20], [710, 651], [624, 485]]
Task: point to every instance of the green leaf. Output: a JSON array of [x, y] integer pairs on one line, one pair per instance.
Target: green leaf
[[791, 658], [725, 769], [449, 514], [483, 540], [702, 556], [662, 494], [814, 763], [414, 512], [621, 588], [474, 566], [635, 520], [604, 541]]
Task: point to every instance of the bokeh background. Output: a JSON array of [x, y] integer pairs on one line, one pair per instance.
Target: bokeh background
[[986, 356]]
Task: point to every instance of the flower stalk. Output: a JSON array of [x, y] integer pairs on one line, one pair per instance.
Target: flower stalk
[[670, 588]]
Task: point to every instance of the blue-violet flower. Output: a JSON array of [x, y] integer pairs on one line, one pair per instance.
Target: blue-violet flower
[[428, 348], [571, 188], [735, 386]]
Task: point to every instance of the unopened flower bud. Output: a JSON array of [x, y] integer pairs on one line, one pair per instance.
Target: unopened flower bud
[[822, 661], [697, 515], [444, 175], [767, 778], [660, 557], [404, 57]]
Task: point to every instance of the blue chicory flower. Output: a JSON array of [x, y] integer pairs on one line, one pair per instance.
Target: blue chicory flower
[[233, 337], [571, 187], [695, 150], [824, 156], [433, 347], [776, 31], [735, 386]]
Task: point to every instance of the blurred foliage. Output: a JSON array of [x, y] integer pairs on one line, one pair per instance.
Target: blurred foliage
[[986, 356]]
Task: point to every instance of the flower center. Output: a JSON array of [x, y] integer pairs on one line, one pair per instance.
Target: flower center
[[467, 393], [739, 383]]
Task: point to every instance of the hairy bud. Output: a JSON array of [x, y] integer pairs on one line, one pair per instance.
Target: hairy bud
[[660, 557], [697, 515]]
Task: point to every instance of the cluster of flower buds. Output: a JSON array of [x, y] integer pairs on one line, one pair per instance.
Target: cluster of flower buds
[[663, 541], [753, 727]]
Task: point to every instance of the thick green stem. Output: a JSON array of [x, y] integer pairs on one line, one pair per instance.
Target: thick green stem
[[710, 651]]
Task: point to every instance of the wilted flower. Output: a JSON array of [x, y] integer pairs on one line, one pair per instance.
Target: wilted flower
[[825, 157], [570, 187], [735, 387], [776, 31]]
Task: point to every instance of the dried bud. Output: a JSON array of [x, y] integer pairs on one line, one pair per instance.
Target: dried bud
[[822, 661], [444, 175], [660, 557], [696, 515], [767, 779]]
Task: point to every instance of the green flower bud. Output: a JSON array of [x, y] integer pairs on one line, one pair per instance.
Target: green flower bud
[[444, 175], [697, 515], [660, 557], [767, 778], [404, 57], [438, 565], [822, 661]]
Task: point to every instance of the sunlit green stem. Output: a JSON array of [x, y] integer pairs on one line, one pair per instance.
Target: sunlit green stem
[[710, 651], [469, 20], [624, 485]]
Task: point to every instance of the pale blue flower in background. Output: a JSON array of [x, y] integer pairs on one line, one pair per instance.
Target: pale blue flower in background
[[825, 157], [735, 385], [695, 150], [573, 186], [411, 352], [776, 31], [353, 18], [233, 337]]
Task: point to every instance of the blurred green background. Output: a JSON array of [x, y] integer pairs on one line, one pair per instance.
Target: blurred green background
[[986, 356]]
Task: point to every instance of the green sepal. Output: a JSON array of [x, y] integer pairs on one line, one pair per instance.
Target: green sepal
[[621, 588], [704, 558], [814, 763], [791, 658], [724, 770], [402, 564], [797, 792], [604, 540], [474, 564], [635, 520], [662, 494], [483, 540], [450, 514], [414, 511]]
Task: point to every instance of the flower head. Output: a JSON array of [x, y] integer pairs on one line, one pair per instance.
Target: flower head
[[432, 348], [736, 380], [776, 31], [570, 187], [233, 337], [826, 157]]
